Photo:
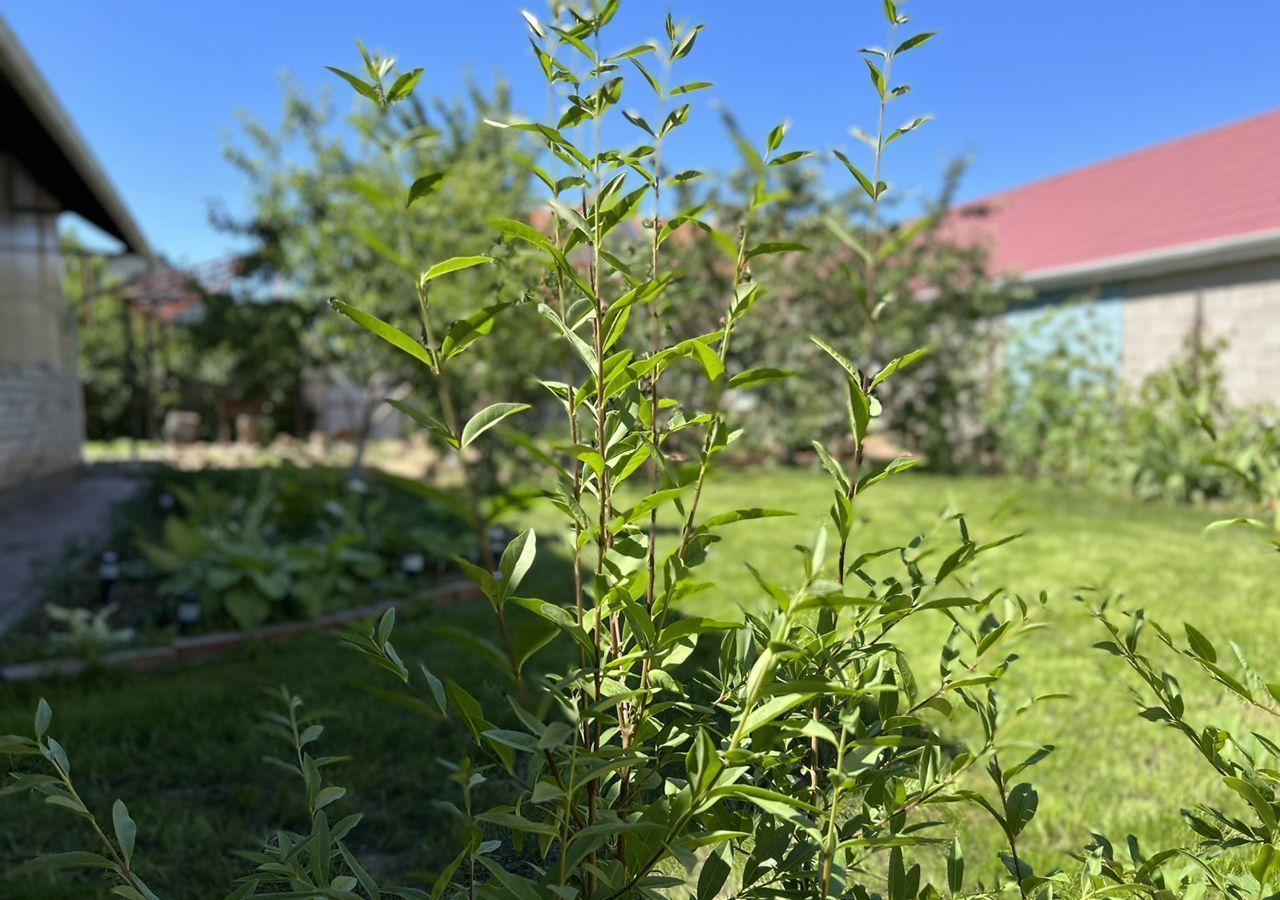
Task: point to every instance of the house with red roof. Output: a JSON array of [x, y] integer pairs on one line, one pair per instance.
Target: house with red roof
[[1174, 243]]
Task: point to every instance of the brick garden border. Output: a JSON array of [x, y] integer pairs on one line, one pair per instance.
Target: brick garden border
[[210, 646]]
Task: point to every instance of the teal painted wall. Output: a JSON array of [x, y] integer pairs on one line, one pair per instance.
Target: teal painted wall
[[1038, 325]]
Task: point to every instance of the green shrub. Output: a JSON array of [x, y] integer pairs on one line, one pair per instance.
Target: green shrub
[[1186, 441], [291, 543], [1060, 412], [1058, 406], [801, 751], [794, 752], [1234, 845]]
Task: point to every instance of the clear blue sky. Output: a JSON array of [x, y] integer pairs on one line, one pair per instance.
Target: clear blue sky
[[1027, 89]]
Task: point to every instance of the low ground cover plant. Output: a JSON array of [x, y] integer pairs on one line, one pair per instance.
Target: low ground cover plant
[[281, 543], [292, 543]]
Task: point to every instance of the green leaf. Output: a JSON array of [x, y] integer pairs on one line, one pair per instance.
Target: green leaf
[[776, 247], [531, 235], [1264, 863], [652, 502], [762, 375], [18, 745], [454, 265], [328, 795], [638, 120], [363, 88], [487, 418], [862, 179], [877, 77], [430, 422], [75, 859], [517, 559], [1266, 812], [388, 332], [772, 709], [404, 85], [788, 158], [710, 360], [850, 369], [691, 87], [907, 128], [686, 43], [423, 187], [776, 136], [1023, 803], [955, 867], [833, 468], [518, 740], [466, 331], [715, 872], [900, 363], [769, 801], [126, 830], [558, 616], [514, 821], [534, 25], [913, 42], [386, 624], [44, 715], [437, 688], [901, 464], [1200, 645], [744, 515]]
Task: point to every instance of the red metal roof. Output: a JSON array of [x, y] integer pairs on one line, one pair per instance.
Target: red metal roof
[[1213, 185]]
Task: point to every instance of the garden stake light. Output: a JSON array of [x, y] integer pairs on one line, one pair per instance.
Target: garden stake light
[[108, 575]]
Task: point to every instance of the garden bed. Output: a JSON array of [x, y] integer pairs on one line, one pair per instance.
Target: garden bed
[[220, 551], [208, 646]]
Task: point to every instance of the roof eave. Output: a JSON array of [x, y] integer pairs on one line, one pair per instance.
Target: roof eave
[[1249, 247], [20, 71]]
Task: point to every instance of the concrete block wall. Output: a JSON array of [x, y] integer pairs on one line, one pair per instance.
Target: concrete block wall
[[41, 414], [1239, 304]]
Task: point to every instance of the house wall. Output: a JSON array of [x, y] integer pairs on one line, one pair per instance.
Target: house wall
[[339, 405], [41, 415], [1239, 304], [1036, 328]]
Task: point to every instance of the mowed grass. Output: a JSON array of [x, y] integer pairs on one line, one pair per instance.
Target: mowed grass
[[181, 748], [1111, 771]]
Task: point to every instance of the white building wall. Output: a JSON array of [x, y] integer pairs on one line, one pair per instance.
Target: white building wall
[[1239, 304], [41, 414]]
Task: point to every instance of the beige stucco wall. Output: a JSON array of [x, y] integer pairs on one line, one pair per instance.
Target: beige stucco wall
[[1239, 303], [41, 419]]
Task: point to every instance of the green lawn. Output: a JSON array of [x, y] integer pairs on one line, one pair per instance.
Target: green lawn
[[1112, 771], [181, 746]]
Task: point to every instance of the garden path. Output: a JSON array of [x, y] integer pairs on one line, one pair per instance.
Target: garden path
[[39, 520]]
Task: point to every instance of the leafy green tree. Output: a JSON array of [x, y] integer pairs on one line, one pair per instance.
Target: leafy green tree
[[934, 292], [110, 344], [242, 354], [342, 212]]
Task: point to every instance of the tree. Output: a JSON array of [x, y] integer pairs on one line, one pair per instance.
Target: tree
[[240, 354], [328, 217], [933, 291]]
